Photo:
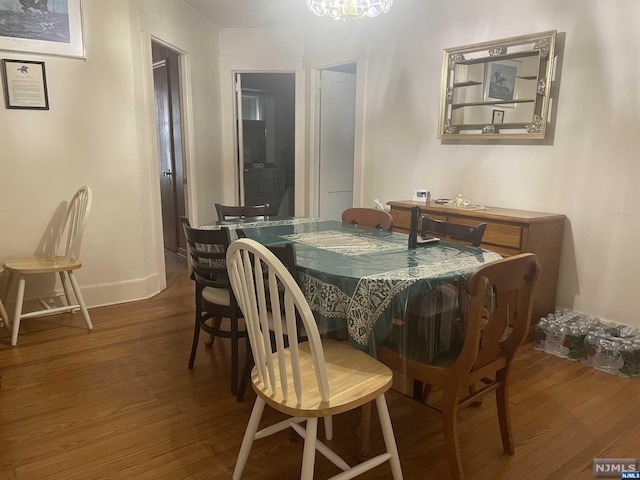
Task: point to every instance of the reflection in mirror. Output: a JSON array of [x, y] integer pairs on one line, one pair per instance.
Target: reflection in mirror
[[497, 89]]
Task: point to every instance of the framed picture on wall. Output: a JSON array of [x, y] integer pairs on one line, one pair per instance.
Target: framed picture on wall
[[47, 27], [25, 85], [501, 81], [498, 116]]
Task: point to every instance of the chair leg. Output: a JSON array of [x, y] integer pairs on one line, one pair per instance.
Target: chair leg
[[502, 401], [309, 452], [389, 437], [3, 316], [418, 388], [328, 428], [78, 293], [196, 338], [65, 286], [8, 290], [217, 321], [451, 441], [18, 310], [472, 391], [426, 391], [246, 374], [234, 355], [249, 436]]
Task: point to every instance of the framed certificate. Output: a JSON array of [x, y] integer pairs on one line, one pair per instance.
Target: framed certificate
[[25, 84]]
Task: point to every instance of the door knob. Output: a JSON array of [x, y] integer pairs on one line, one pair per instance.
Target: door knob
[[167, 173]]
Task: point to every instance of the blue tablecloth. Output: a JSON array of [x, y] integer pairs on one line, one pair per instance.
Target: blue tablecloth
[[361, 278]]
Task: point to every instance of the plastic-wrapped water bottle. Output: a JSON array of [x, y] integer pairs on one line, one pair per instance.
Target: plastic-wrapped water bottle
[[554, 343], [628, 355], [607, 356], [575, 341], [591, 341], [540, 334]]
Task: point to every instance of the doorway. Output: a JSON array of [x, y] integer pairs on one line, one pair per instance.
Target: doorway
[[265, 122], [336, 140], [172, 178]]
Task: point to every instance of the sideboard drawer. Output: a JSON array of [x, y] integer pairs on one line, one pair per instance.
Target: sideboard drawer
[[496, 233]]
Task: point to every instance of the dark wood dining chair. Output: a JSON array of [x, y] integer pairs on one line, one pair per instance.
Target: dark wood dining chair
[[368, 217], [286, 253], [444, 304], [227, 211], [491, 339], [213, 295], [466, 233]]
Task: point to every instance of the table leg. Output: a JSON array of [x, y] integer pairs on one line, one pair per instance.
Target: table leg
[[364, 430]]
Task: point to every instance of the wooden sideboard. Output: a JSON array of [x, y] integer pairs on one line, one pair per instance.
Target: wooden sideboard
[[508, 232]]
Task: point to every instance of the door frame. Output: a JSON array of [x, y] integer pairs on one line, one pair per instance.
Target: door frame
[[188, 146], [314, 134], [301, 198]]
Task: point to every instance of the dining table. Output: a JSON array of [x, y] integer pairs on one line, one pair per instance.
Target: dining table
[[362, 284], [363, 280]]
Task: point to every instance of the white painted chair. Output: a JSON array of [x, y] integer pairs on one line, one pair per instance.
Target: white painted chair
[[70, 239], [309, 380]]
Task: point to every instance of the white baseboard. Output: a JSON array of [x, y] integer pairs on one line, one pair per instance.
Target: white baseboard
[[113, 293]]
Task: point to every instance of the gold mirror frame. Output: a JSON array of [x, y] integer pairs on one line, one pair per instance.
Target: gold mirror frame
[[497, 90]]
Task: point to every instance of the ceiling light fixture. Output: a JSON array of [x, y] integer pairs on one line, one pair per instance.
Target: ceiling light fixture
[[343, 9]]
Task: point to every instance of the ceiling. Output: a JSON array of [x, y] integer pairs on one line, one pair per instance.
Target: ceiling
[[257, 13]]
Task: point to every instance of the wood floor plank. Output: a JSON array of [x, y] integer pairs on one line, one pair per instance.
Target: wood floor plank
[[120, 402]]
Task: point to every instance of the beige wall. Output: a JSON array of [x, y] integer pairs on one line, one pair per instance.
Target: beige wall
[[95, 133], [588, 170]]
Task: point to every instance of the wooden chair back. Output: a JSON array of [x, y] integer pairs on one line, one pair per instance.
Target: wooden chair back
[[466, 233], [207, 250], [504, 291], [368, 217], [73, 224], [247, 262], [228, 211]]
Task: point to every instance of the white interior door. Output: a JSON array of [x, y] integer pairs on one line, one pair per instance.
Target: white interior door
[[337, 133]]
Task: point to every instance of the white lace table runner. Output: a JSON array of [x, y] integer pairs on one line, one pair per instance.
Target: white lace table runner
[[343, 243]]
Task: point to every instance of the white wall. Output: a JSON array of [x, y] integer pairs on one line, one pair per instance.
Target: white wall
[[95, 134], [588, 169]]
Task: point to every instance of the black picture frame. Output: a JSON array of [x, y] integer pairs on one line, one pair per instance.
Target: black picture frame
[[497, 117], [38, 81]]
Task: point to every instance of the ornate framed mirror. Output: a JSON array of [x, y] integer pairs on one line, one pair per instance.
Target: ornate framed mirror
[[497, 89]]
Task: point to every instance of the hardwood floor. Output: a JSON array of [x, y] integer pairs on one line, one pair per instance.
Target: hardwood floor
[[119, 402]]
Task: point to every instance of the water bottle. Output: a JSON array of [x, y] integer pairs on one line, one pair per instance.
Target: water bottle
[[591, 344], [540, 334], [575, 342], [607, 357], [554, 343], [627, 353]]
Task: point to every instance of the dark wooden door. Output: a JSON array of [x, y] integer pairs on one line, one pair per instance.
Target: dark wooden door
[[169, 133]]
